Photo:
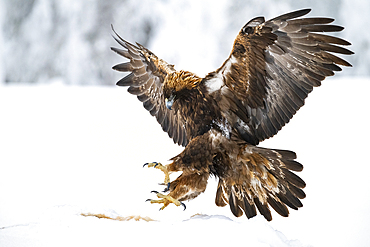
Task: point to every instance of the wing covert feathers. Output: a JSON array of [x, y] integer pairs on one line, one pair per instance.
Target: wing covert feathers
[[145, 80]]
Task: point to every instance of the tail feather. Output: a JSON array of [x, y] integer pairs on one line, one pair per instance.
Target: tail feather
[[289, 201], [278, 206], [265, 178], [249, 209], [220, 197], [293, 179], [235, 205], [263, 209], [292, 199], [293, 165], [297, 192]]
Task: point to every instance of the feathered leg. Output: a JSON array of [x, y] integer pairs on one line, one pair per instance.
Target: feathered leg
[[194, 163], [186, 187]]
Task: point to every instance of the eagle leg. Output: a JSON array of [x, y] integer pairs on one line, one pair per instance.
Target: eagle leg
[[166, 200], [164, 170]]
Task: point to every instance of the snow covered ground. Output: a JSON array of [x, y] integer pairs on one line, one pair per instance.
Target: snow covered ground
[[67, 150]]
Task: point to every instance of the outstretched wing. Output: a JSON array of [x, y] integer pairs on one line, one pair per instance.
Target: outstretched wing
[[146, 81], [272, 68]]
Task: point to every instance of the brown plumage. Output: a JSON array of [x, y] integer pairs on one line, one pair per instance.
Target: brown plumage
[[221, 118]]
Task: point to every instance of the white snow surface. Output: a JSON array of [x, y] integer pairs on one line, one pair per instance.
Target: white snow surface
[[67, 150]]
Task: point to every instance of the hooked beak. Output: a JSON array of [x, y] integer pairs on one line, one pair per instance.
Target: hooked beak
[[169, 101]]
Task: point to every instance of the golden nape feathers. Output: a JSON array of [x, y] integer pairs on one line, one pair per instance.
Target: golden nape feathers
[[180, 80], [178, 85]]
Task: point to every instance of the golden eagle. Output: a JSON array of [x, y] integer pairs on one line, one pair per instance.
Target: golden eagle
[[221, 118]]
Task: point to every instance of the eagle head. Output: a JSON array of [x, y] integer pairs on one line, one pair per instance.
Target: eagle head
[[179, 86]]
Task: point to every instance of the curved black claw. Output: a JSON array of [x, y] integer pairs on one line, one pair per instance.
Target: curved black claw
[[183, 204], [167, 188], [146, 164], [153, 191]]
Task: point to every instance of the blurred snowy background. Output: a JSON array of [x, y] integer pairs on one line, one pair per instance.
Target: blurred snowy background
[[71, 149], [44, 40]]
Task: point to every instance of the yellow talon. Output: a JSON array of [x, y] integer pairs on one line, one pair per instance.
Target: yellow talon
[[166, 200], [162, 168]]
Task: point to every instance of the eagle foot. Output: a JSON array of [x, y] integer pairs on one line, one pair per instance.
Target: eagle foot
[[164, 170], [166, 200]]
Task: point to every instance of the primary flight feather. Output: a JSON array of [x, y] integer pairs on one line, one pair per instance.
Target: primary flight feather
[[220, 118]]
